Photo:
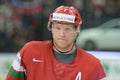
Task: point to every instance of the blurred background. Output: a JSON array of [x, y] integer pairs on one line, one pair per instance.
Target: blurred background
[[26, 20]]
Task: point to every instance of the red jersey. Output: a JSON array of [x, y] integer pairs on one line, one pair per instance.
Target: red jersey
[[36, 61]]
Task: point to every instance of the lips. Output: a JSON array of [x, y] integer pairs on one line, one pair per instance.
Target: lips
[[61, 39]]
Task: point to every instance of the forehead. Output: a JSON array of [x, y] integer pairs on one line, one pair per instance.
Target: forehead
[[63, 25]]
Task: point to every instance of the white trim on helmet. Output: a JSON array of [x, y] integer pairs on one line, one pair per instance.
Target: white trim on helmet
[[63, 17]]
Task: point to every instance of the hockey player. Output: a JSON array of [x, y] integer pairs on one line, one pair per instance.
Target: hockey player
[[59, 58]]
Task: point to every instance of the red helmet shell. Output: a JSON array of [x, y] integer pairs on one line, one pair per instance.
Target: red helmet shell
[[66, 14]]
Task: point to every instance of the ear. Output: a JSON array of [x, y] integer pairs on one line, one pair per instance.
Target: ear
[[78, 29]]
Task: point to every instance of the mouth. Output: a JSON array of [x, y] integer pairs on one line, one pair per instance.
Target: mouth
[[61, 39]]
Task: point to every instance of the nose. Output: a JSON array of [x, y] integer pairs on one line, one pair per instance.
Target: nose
[[62, 32]]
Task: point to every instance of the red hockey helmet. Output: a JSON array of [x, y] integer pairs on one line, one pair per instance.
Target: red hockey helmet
[[65, 14]]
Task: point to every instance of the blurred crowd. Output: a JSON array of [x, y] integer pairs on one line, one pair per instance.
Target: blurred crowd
[[25, 20]]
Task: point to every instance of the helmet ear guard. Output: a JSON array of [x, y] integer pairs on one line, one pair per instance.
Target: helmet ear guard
[[50, 26]]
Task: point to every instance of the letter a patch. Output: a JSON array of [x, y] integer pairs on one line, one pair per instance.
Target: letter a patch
[[78, 77]]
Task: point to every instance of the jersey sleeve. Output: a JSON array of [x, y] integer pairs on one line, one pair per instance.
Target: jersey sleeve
[[102, 74], [17, 70]]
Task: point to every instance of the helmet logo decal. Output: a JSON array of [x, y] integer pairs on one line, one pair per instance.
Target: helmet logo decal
[[63, 17]]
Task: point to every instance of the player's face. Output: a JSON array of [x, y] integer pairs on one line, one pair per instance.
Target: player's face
[[64, 35]]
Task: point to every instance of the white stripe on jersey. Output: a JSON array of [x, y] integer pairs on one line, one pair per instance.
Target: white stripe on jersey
[[105, 78], [16, 64]]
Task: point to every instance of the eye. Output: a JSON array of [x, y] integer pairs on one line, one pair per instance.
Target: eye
[[56, 28], [68, 29]]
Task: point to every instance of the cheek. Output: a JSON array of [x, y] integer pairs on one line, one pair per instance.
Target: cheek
[[53, 35], [72, 37]]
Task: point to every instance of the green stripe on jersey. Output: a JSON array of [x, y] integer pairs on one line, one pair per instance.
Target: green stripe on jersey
[[15, 74]]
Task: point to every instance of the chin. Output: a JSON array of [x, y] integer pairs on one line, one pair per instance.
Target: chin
[[61, 46]]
